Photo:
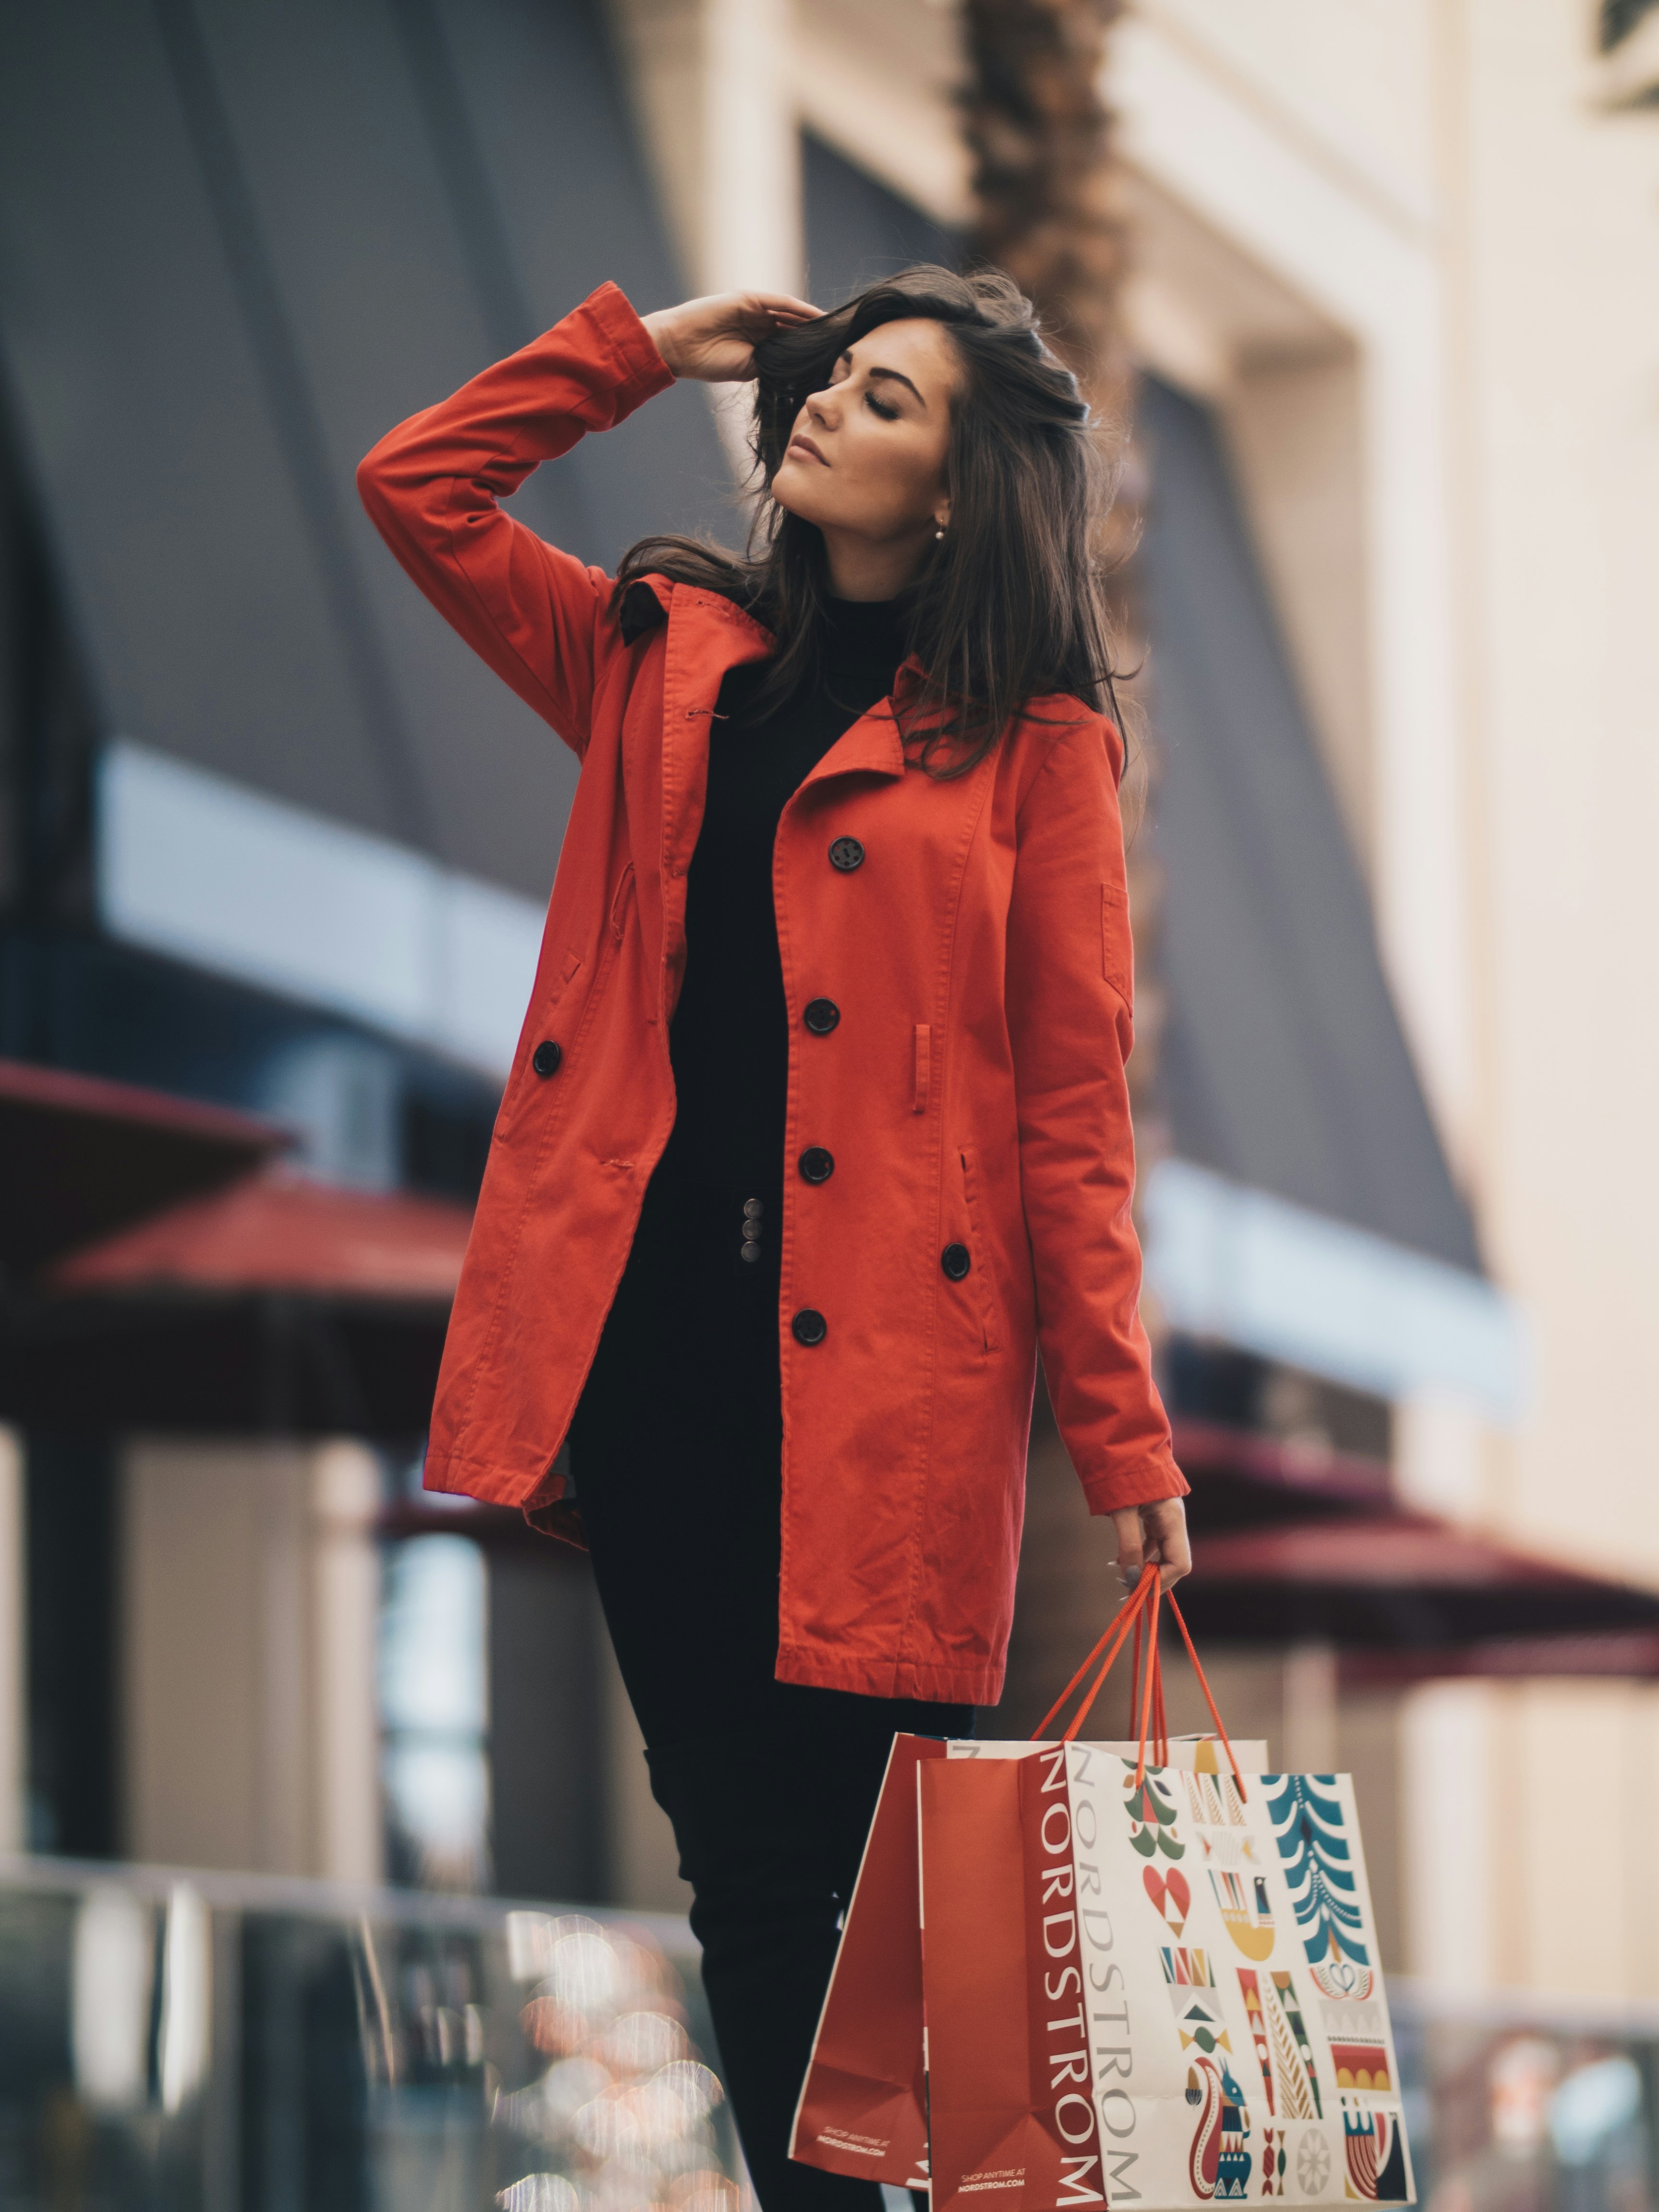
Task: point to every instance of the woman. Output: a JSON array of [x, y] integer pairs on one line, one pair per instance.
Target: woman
[[818, 1120]]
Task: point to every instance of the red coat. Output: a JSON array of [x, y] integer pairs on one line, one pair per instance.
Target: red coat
[[972, 1089]]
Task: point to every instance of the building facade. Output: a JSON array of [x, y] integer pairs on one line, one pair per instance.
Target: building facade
[[1398, 407]]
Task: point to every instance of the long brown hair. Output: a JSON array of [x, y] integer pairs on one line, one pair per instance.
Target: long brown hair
[[1009, 605]]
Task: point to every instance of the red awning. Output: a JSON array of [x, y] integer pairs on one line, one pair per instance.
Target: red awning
[[1381, 1552], [84, 1158], [277, 1307], [283, 1232], [1410, 1584], [1240, 1479]]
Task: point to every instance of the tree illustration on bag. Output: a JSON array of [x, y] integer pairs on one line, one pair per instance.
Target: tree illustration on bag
[[1318, 1864], [1152, 1817]]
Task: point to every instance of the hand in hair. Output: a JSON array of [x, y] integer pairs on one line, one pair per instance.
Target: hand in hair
[[714, 338]]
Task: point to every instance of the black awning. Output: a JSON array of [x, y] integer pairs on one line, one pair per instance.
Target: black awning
[[1282, 1064], [236, 244]]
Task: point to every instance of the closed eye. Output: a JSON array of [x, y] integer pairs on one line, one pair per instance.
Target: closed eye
[[877, 407]]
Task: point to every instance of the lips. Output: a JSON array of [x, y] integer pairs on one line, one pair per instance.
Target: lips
[[800, 443]]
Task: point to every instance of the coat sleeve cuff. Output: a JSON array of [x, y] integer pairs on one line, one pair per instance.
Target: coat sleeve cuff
[[557, 1519], [641, 372], [1147, 1482]]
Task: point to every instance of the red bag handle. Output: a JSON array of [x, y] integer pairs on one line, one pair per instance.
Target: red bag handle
[[1139, 1613], [1116, 1631], [1203, 1684]]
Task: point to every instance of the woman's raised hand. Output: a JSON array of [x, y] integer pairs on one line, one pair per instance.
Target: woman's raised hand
[[714, 338]]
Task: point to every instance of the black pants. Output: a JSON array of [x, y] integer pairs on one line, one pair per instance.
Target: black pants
[[770, 1786], [770, 1829]]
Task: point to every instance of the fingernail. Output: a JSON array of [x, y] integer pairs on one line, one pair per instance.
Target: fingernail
[[1128, 1577]]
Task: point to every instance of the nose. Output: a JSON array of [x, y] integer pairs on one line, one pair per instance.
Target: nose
[[820, 407]]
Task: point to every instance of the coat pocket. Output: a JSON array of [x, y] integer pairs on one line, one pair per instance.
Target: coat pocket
[[610, 943], [570, 975], [979, 1247], [1117, 953], [620, 904]]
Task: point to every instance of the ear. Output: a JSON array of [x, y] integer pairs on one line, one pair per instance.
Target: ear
[[942, 516]]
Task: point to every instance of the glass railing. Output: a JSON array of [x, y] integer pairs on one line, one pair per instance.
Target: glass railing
[[200, 2043], [210, 2043], [1525, 2102]]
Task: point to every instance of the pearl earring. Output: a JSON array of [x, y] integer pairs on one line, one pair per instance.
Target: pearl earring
[[939, 534]]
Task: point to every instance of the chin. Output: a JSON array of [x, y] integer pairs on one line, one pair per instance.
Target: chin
[[793, 489]]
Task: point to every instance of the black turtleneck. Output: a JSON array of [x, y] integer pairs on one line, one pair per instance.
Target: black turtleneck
[[730, 1039], [694, 1323]]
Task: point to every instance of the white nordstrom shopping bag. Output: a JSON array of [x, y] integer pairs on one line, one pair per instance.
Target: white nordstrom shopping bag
[[1172, 1978], [1141, 1986]]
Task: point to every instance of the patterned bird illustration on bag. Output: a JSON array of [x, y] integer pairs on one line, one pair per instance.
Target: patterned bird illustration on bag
[[1251, 1929]]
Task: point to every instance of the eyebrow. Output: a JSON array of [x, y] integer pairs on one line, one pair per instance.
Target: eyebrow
[[892, 376]]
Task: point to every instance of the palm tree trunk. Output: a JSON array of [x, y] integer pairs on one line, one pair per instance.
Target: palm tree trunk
[[1048, 203], [1048, 206], [1049, 210]]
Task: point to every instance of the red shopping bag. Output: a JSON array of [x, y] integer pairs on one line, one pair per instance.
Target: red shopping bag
[[863, 2106]]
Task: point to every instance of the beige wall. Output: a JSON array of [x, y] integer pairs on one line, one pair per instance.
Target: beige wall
[[1555, 210], [248, 1677]]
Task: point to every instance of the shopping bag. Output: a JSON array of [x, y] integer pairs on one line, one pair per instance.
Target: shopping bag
[[862, 2109], [1149, 1986], [863, 2106], [962, 2021]]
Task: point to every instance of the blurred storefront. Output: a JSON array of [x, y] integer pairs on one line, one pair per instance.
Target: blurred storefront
[[274, 843], [232, 2045]]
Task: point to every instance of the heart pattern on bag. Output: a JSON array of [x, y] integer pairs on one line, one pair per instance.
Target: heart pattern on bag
[[1341, 1978], [1170, 1894]]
